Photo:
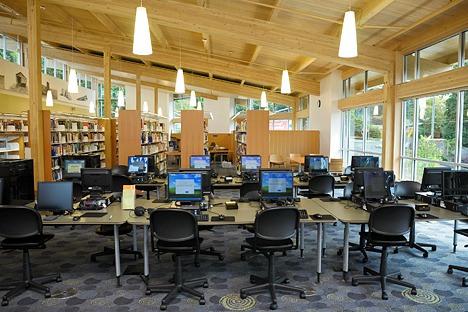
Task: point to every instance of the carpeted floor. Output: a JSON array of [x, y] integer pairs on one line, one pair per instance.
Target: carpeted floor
[[91, 286]]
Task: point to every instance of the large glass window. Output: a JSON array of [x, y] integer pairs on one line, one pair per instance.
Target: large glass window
[[10, 49], [280, 124], [182, 102], [439, 57], [100, 99], [362, 82], [358, 84], [303, 103], [302, 123], [409, 69]]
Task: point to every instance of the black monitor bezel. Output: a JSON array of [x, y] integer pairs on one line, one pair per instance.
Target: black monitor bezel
[[61, 195], [266, 195], [208, 157], [102, 188], [317, 171], [358, 178], [139, 173], [428, 174], [449, 190], [175, 197], [250, 170], [71, 176], [356, 161]]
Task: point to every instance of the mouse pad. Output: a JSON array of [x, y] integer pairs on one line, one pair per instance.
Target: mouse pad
[[324, 217], [226, 218], [428, 216], [161, 200], [93, 214], [330, 199]]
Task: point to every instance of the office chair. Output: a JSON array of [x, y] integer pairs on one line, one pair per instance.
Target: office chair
[[274, 230], [176, 231], [118, 181], [388, 225], [320, 186], [119, 170], [77, 191], [250, 191], [294, 165], [21, 228], [277, 160], [452, 267], [2, 187]]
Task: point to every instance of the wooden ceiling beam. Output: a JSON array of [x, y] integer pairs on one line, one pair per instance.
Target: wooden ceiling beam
[[370, 10], [108, 23]]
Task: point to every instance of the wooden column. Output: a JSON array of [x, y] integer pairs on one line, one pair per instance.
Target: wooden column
[[388, 122], [36, 129], [107, 84], [138, 92], [156, 101]]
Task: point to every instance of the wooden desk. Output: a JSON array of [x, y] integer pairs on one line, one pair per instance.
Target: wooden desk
[[222, 152]]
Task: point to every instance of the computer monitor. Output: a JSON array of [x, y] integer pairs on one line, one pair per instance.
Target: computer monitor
[[358, 181], [138, 165], [200, 162], [251, 163], [377, 184], [276, 184], [206, 179], [314, 164], [432, 179], [96, 181], [72, 169], [454, 184], [185, 187], [56, 197], [91, 161], [364, 161]]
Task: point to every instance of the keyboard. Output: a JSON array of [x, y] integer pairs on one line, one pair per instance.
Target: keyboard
[[303, 214]]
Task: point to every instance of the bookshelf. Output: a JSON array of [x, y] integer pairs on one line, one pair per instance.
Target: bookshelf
[[194, 135], [14, 138]]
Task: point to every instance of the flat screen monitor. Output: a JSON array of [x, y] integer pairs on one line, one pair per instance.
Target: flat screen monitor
[[56, 197], [72, 168], [96, 181], [91, 161], [276, 184], [364, 161], [251, 163], [432, 179], [454, 184], [206, 179], [185, 186], [200, 162], [138, 165], [377, 184], [316, 164], [358, 181]]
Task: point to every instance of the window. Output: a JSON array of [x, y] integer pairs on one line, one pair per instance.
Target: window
[[362, 132], [53, 67], [10, 49], [280, 124], [435, 133], [362, 82], [357, 84], [303, 123], [100, 99], [303, 103], [182, 102]]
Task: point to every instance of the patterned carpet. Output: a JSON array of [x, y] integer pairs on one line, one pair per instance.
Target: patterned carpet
[[91, 286]]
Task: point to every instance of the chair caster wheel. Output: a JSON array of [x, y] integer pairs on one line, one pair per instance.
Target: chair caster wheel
[[253, 280], [212, 249], [273, 306], [285, 281], [450, 271], [163, 307], [434, 248], [354, 283], [243, 295], [197, 264], [400, 277], [285, 253], [5, 302], [465, 282], [47, 294], [384, 296], [201, 301], [395, 251], [364, 260], [302, 295], [242, 248], [58, 279], [414, 292], [221, 257], [148, 292], [425, 255], [205, 285], [339, 252], [93, 259], [243, 258]]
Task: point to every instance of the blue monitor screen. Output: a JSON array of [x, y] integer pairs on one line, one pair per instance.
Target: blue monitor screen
[[56, 197], [200, 162], [251, 163], [316, 164], [138, 165], [72, 168], [276, 184], [185, 186]]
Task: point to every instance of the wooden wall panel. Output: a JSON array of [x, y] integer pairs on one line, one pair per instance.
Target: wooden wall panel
[[294, 142], [192, 135], [129, 134], [221, 139], [258, 135]]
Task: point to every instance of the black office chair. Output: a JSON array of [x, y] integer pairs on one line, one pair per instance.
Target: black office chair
[[321, 185], [21, 228], [452, 267], [274, 230], [250, 191], [388, 225], [176, 231], [77, 191], [118, 181], [348, 190], [2, 187], [119, 170]]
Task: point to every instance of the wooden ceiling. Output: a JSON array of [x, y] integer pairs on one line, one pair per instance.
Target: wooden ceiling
[[234, 47]]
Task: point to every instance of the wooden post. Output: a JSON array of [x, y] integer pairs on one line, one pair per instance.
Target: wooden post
[[138, 92]]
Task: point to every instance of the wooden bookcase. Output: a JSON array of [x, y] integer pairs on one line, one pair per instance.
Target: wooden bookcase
[[258, 135], [129, 134], [194, 135], [13, 136]]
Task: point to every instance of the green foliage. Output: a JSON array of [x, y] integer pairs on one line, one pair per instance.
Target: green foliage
[[428, 149], [375, 131]]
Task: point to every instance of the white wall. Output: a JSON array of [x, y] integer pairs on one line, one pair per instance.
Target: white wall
[[221, 111], [147, 94]]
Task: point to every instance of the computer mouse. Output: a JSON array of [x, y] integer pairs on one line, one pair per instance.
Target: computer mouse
[[221, 217], [423, 215], [76, 218], [318, 216]]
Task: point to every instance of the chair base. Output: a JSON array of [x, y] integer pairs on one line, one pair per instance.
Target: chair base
[[179, 286], [110, 251], [460, 268]]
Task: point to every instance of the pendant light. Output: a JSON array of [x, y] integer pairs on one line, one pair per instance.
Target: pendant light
[[180, 83], [263, 100], [348, 42], [145, 107], [285, 85], [72, 79], [376, 110], [141, 35], [116, 112], [92, 109], [120, 99], [49, 100], [193, 99]]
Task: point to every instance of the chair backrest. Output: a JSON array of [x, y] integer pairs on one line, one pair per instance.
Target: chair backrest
[[118, 181], [322, 184], [348, 190], [19, 221], [250, 191], [277, 224], [120, 170], [392, 219], [407, 189], [77, 191], [347, 170], [276, 158], [173, 225]]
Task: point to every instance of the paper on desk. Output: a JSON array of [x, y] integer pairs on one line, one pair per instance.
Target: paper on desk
[[128, 197]]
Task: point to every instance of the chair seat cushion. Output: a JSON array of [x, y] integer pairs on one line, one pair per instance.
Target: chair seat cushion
[[270, 245], [188, 246], [384, 240], [31, 242]]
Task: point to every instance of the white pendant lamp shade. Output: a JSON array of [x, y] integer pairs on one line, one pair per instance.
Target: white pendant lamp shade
[[159, 111], [285, 85], [180, 83], [120, 99], [193, 99], [49, 100], [72, 82], [145, 107], [376, 110], [116, 112], [141, 36], [263, 100], [199, 105], [92, 109], [348, 42]]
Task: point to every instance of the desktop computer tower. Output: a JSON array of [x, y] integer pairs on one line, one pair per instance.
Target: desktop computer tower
[[18, 181]]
